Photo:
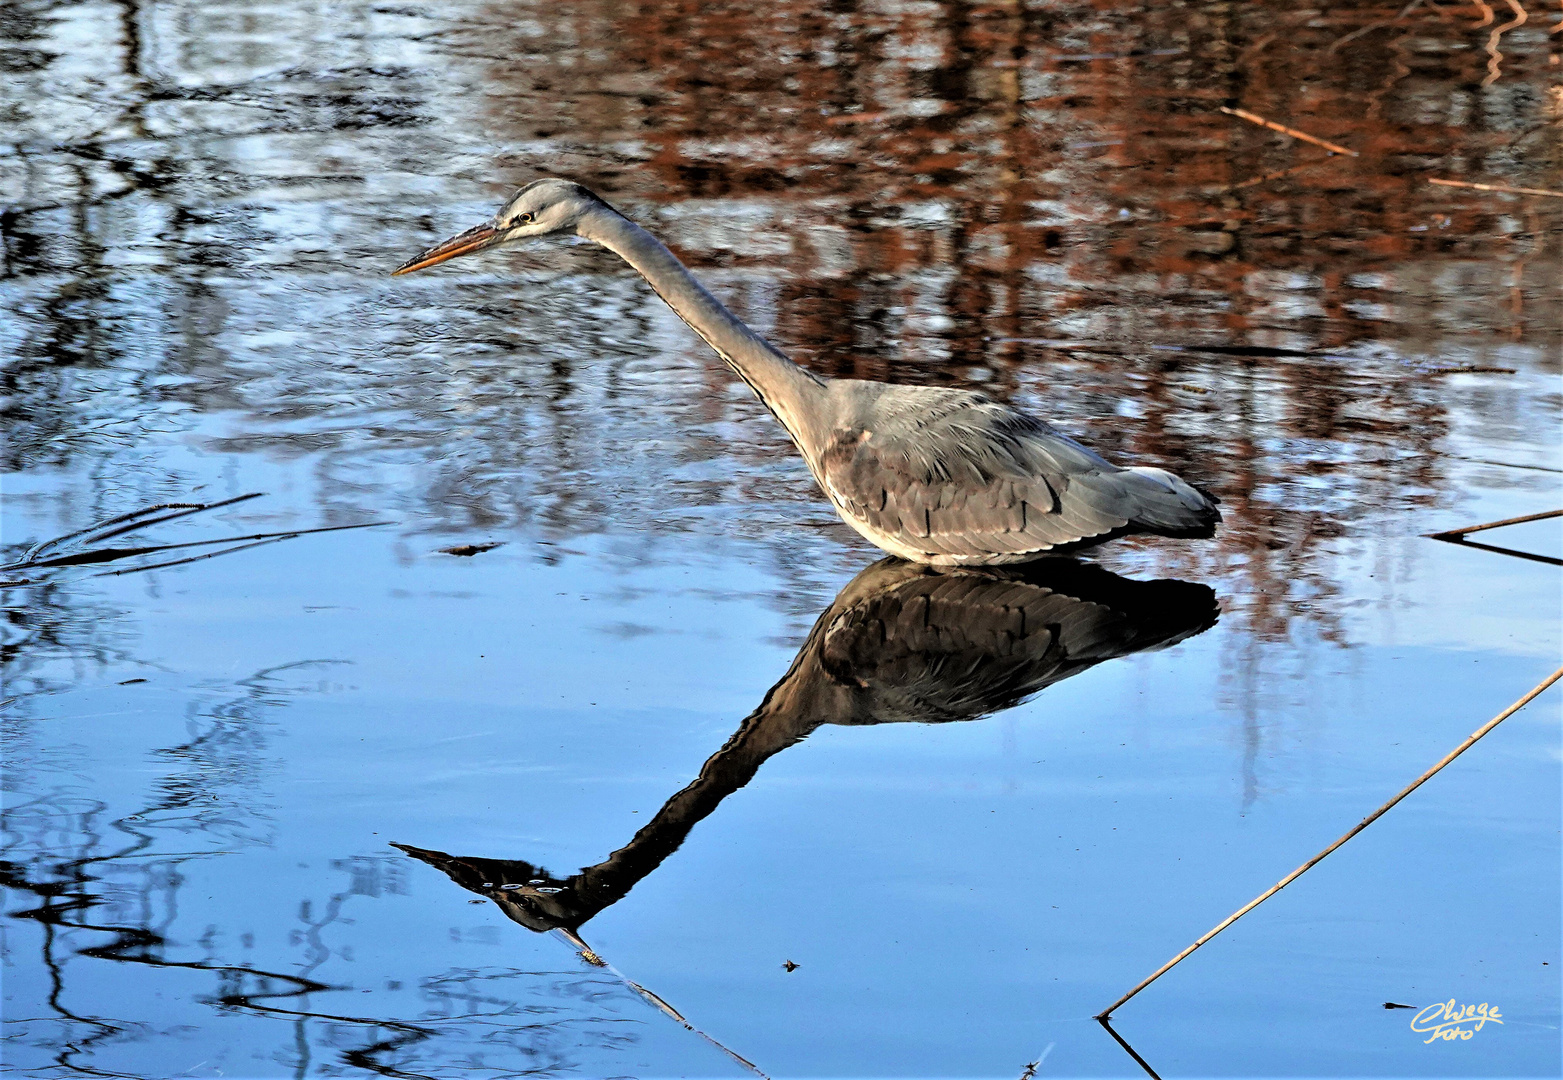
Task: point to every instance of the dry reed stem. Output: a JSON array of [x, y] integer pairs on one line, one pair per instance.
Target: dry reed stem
[[1254, 118], [1495, 524], [1267, 177], [1504, 188], [1363, 824]]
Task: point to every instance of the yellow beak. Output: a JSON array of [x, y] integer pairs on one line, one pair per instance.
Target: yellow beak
[[474, 239]]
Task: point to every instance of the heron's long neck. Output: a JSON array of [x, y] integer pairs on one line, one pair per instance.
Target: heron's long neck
[[785, 388]]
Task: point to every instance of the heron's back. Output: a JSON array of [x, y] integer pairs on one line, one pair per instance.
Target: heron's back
[[951, 477]]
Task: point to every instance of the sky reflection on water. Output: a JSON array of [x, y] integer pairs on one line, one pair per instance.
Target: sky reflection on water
[[207, 764]]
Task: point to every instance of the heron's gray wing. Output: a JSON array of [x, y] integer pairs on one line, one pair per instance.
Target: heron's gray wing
[[957, 475]]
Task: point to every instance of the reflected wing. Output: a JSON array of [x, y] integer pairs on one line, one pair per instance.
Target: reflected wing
[[928, 646], [953, 474]]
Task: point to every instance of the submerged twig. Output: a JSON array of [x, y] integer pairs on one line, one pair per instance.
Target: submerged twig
[[1457, 536], [585, 952], [1255, 118], [1504, 188], [137, 519], [1119, 1039], [1363, 824], [1495, 549], [113, 554], [197, 558]]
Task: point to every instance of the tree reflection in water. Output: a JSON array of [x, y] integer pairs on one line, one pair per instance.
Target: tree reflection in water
[[108, 889], [1032, 199], [921, 192]]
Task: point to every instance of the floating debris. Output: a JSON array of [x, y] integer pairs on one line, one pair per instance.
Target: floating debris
[[466, 550], [1471, 369], [1255, 118], [1501, 188]]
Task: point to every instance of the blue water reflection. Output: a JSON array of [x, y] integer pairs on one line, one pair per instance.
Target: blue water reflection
[[208, 763]]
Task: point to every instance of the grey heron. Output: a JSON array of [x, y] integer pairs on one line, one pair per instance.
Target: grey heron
[[934, 475]]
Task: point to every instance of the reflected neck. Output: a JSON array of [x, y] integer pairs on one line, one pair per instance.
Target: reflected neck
[[790, 392]]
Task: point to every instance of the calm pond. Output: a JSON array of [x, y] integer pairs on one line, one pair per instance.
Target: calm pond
[[603, 748]]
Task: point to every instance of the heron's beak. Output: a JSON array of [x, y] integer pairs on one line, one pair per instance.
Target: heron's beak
[[474, 239]]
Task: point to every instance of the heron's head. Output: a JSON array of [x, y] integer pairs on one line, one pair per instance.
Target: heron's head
[[539, 209]]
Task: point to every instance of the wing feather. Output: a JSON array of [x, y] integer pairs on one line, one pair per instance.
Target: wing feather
[[958, 477]]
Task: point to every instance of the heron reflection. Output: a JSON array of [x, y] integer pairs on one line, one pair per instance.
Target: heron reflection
[[900, 643]]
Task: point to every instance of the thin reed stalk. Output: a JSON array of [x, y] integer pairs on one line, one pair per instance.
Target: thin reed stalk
[[1255, 118], [1311, 863]]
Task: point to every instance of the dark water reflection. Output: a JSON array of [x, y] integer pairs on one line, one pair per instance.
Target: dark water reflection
[[201, 202], [899, 644]]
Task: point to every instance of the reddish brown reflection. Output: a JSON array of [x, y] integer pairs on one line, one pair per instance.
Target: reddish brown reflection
[[936, 191], [1068, 166]]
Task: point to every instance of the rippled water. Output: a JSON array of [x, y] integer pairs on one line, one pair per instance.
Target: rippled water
[[675, 778]]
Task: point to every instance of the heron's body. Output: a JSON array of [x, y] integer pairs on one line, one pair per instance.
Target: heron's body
[[953, 478], [930, 474]]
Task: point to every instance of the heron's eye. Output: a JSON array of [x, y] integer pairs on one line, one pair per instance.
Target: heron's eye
[[524, 219]]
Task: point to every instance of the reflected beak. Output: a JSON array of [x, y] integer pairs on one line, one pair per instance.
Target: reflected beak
[[474, 239]]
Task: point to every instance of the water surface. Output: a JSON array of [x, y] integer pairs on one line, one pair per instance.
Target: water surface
[[971, 813]]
